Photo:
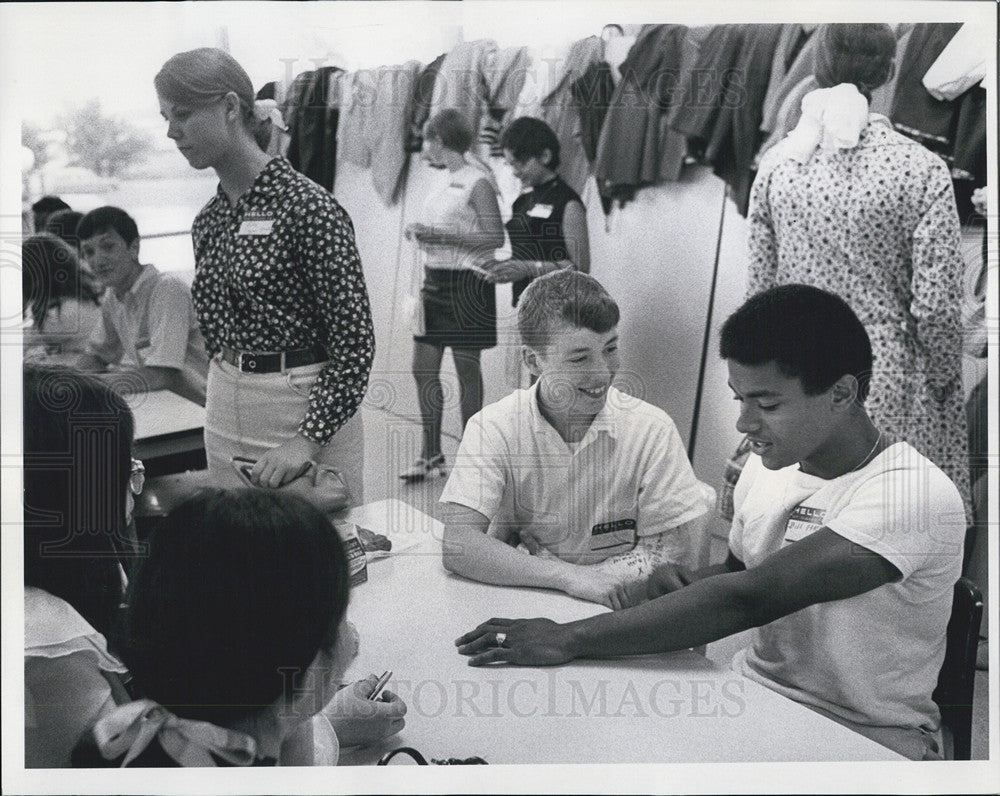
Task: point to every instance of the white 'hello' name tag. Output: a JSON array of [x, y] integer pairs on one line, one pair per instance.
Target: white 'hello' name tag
[[256, 225], [540, 211]]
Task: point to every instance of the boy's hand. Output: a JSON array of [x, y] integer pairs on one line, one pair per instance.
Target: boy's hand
[[666, 578], [359, 721], [594, 584]]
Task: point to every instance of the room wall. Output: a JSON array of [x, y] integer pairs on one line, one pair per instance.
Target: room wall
[[655, 256]]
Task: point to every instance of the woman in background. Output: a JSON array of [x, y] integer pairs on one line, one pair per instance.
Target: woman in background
[[548, 228], [60, 297], [236, 641], [79, 485], [279, 291], [872, 219], [460, 228]]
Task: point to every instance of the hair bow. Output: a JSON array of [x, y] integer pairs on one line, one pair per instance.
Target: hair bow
[[832, 119], [264, 109], [129, 729]]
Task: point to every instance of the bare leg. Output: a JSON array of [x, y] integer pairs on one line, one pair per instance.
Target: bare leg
[[427, 374], [470, 381]]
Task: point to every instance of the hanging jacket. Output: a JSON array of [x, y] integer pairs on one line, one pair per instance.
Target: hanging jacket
[[915, 113], [312, 147], [793, 39], [736, 135], [592, 94], [461, 80], [696, 116], [505, 75], [630, 148], [558, 110], [423, 94], [385, 137]]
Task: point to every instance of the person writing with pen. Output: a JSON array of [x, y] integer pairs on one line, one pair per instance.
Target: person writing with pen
[[843, 553]]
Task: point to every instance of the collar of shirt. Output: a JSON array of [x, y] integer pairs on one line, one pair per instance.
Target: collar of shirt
[[605, 422], [142, 283], [267, 184]]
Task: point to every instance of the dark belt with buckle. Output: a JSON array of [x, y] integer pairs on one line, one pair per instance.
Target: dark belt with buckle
[[273, 361]]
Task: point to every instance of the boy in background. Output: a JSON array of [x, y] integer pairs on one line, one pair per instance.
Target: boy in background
[[148, 327]]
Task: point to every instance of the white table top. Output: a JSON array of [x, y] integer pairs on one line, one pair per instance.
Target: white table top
[[163, 412], [677, 707]]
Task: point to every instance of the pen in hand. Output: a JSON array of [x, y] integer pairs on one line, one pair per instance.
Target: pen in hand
[[377, 690]]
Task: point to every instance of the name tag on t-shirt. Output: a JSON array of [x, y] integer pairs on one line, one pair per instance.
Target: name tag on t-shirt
[[608, 535], [803, 522], [540, 211], [256, 225]]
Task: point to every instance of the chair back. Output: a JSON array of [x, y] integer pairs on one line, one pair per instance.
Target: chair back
[[956, 682]]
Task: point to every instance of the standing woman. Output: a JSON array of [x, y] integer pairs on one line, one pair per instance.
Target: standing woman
[[548, 228], [459, 231], [279, 290], [871, 218]]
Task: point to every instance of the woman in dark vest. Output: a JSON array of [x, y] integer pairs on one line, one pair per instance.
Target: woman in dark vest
[[548, 228]]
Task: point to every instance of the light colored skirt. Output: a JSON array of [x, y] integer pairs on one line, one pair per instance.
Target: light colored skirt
[[247, 414]]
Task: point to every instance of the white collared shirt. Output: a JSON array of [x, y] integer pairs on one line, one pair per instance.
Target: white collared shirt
[[629, 476], [152, 325]]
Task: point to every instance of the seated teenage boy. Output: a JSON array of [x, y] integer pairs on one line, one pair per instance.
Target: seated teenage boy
[[844, 548], [594, 483], [148, 325]]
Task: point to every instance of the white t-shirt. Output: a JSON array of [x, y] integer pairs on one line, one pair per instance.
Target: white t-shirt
[[629, 476], [872, 659]]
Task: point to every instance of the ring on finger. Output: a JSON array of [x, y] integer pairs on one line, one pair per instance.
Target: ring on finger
[[501, 638]]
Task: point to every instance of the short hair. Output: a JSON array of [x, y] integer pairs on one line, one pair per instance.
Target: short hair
[[810, 334], [451, 128], [50, 274], [77, 462], [63, 223], [199, 77], [105, 219], [529, 137], [49, 204], [239, 592], [564, 296], [859, 53]]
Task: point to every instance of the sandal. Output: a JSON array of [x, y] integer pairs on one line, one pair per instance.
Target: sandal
[[425, 468]]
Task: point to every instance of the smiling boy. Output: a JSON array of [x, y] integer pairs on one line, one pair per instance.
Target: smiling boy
[[843, 553], [593, 483], [148, 327]]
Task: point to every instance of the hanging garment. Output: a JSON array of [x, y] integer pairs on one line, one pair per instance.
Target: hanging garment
[[696, 116], [915, 112], [559, 111], [736, 136], [877, 225], [505, 78], [461, 80], [592, 94], [630, 148], [800, 69], [885, 95], [423, 94], [385, 135], [312, 148], [358, 96], [790, 44], [615, 52], [960, 66], [544, 66], [788, 116]]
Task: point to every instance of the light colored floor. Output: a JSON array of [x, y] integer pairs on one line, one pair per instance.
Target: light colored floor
[[401, 442]]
